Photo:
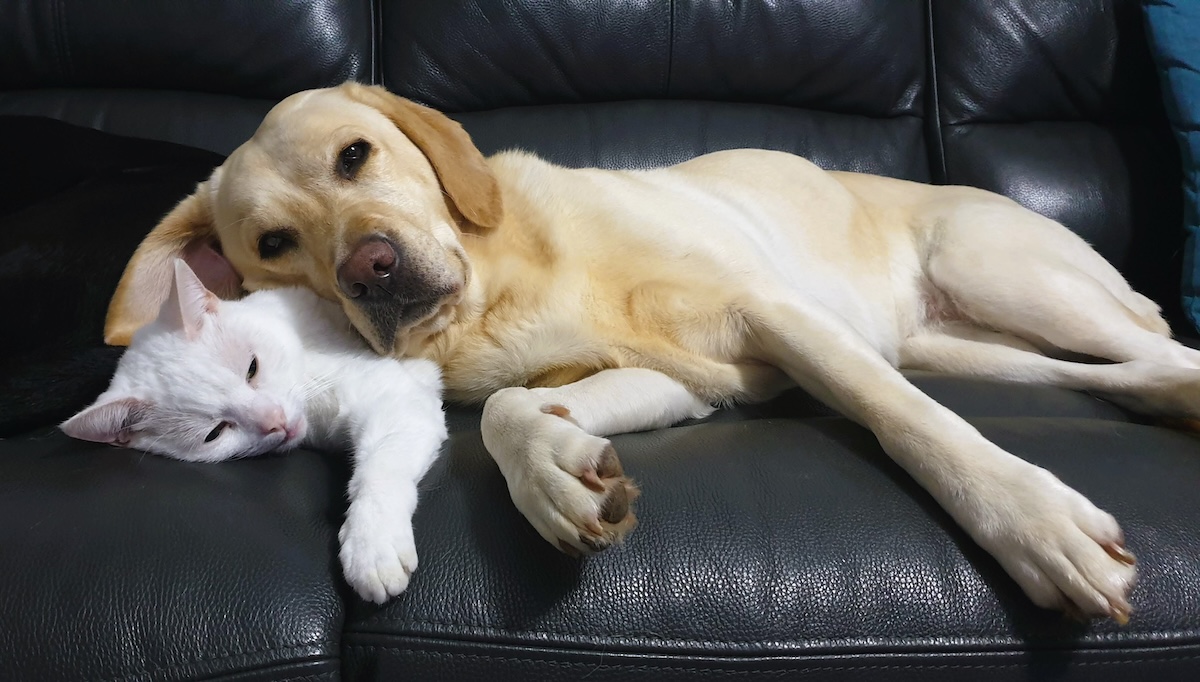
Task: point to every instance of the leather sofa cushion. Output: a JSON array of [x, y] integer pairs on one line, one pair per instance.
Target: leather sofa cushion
[[252, 49], [851, 56], [118, 565], [217, 123], [792, 544], [654, 133]]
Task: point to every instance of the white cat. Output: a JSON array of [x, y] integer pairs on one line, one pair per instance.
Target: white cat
[[211, 380]]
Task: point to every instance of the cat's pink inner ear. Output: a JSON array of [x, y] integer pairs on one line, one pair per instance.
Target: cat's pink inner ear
[[107, 421], [188, 303]]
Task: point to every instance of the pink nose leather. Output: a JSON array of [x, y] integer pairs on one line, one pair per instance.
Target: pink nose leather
[[272, 421]]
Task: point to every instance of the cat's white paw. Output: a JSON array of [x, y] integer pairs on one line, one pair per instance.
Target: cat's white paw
[[378, 552], [1063, 551]]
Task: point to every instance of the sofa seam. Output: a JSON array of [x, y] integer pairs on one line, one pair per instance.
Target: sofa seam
[[223, 657], [670, 47], [376, 76], [938, 143], [827, 668], [456, 629]]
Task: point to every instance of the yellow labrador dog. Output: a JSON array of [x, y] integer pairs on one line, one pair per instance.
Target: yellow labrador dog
[[584, 303]]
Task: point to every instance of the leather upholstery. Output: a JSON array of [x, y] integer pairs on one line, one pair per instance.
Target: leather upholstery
[[122, 566], [849, 56], [615, 134], [1046, 102], [261, 49], [173, 116], [775, 539], [823, 556]]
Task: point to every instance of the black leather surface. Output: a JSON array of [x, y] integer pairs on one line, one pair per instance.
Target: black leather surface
[[119, 565], [1024, 60], [851, 56], [218, 123], [644, 134], [1054, 105], [788, 544], [252, 49]]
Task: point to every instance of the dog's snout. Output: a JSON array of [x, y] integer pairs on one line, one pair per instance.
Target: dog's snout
[[370, 271]]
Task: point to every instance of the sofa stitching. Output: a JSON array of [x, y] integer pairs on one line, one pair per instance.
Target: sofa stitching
[[217, 659], [1095, 637], [644, 666]]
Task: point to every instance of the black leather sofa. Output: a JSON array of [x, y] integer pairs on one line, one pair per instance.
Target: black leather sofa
[[775, 540]]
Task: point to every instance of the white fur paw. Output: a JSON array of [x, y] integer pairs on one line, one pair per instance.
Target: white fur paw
[[378, 553], [572, 488], [1063, 551]]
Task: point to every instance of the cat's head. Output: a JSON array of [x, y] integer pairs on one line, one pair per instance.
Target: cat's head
[[208, 380]]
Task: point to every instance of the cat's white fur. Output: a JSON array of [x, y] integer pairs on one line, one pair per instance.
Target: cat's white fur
[[314, 382]]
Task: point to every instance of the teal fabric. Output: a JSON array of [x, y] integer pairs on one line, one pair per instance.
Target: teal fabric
[[1173, 27]]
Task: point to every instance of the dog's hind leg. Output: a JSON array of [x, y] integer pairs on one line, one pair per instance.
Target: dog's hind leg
[[962, 349], [1059, 547], [1012, 270]]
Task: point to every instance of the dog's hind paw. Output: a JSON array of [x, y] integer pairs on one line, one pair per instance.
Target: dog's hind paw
[[1063, 551]]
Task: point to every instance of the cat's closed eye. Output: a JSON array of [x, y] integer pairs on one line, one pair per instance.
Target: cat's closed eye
[[250, 373], [216, 432]]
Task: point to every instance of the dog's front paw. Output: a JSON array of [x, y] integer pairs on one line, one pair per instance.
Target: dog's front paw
[[568, 483], [378, 553], [1062, 550], [573, 489]]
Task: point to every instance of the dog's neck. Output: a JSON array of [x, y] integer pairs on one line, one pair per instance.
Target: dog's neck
[[501, 262]]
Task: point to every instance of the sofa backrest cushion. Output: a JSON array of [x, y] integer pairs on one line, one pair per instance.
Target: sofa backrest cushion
[[250, 49]]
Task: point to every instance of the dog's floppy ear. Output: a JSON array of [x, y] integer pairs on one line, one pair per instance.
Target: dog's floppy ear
[[186, 232], [459, 164]]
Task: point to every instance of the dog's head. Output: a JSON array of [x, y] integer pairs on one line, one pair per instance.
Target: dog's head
[[358, 194]]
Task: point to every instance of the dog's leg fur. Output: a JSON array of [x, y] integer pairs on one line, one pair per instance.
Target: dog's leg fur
[[563, 475], [1145, 386], [1063, 551], [1021, 273]]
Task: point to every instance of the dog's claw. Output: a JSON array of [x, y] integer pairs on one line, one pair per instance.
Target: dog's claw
[[597, 544], [616, 505], [592, 481], [1120, 613], [1121, 554], [568, 549]]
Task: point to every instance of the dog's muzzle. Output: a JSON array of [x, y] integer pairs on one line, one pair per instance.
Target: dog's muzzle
[[388, 287]]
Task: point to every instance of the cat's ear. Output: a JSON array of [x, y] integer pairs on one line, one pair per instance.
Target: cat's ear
[[187, 232], [109, 420], [188, 303]]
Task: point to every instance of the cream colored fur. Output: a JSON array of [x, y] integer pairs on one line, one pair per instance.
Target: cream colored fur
[[590, 302]]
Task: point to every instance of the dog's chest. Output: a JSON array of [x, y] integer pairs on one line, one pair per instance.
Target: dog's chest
[[546, 348]]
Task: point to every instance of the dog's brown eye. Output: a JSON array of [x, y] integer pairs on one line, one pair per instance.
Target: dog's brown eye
[[275, 243], [250, 373], [215, 433], [352, 158]]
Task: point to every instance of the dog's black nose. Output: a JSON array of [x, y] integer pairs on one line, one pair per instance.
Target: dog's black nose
[[370, 271]]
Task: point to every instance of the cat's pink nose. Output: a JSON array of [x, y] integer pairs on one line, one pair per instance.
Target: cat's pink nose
[[273, 421]]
